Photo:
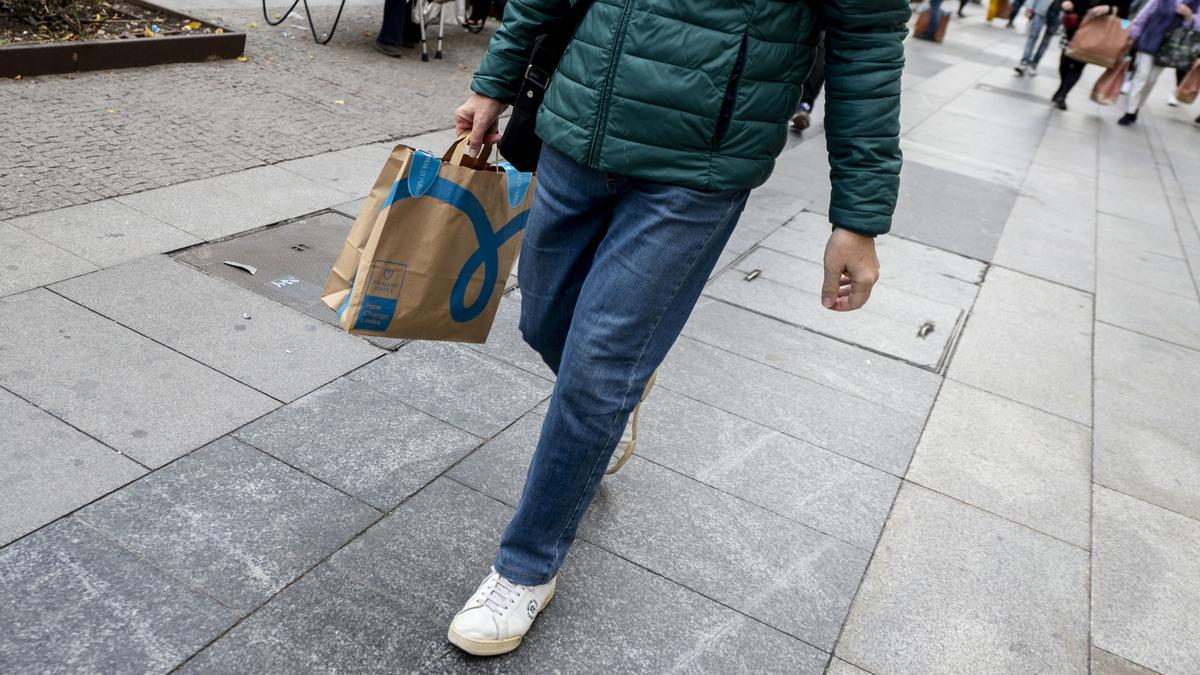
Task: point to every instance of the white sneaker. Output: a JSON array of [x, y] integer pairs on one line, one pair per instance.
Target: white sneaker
[[1172, 101], [1032, 70], [497, 617], [628, 442]]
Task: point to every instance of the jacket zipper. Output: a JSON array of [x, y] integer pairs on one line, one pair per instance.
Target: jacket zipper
[[725, 117], [612, 65]]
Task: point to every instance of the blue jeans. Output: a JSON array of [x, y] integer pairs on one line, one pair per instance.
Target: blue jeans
[[1037, 24], [935, 17], [610, 269]]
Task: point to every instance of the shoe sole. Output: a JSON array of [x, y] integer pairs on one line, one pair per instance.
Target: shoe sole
[[489, 647], [633, 443]]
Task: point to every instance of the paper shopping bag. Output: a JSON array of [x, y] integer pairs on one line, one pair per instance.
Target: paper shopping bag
[[1108, 87], [998, 9], [1190, 86], [1099, 40], [432, 248]]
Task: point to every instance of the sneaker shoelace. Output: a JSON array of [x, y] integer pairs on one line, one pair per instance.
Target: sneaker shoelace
[[503, 595]]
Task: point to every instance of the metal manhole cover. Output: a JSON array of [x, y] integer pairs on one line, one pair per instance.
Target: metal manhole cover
[[293, 262]]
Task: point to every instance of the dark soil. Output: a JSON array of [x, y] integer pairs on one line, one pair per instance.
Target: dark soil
[[98, 20]]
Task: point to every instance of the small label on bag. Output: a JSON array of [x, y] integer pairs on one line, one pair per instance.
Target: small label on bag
[[381, 294]]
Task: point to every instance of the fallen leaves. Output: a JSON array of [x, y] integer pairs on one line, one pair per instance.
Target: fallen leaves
[[240, 59]]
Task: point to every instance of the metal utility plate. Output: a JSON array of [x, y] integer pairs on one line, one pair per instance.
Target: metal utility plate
[[293, 261]]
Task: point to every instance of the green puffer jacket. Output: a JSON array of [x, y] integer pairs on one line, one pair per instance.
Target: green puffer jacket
[[698, 93]]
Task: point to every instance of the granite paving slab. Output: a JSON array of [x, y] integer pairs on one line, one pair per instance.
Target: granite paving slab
[[1068, 150], [30, 262], [1121, 234], [506, 343], [230, 520], [1138, 307], [355, 438], [1104, 663], [282, 191], [1146, 426], [202, 208], [352, 170], [967, 164], [955, 129], [770, 568], [840, 667], [50, 468], [929, 212], [913, 267], [104, 233], [132, 394], [788, 289], [831, 494], [1055, 195], [803, 171], [1029, 340], [72, 600], [1007, 458], [766, 210], [1144, 595], [277, 350], [886, 381], [350, 208], [472, 391], [1157, 272], [952, 589], [1147, 187], [767, 566], [499, 467], [1040, 243], [875, 435], [824, 491], [1140, 207], [394, 590]]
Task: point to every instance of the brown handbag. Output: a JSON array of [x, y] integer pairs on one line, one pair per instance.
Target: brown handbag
[[922, 27], [1099, 40], [1190, 86]]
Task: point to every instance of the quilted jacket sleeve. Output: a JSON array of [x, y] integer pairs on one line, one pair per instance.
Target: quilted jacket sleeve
[[864, 57], [500, 73]]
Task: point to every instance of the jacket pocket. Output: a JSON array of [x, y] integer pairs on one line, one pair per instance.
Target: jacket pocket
[[725, 118]]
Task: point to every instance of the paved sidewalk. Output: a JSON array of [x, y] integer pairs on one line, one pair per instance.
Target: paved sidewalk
[[993, 468]]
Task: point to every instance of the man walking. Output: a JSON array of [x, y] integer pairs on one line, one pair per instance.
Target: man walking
[[661, 118], [1045, 16]]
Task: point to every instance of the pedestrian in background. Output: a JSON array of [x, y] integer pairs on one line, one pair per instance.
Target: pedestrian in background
[[1075, 13], [1150, 29], [935, 19], [398, 29], [1044, 19], [802, 117], [1014, 10]]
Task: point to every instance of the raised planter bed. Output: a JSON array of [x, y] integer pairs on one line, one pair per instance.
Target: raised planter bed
[[209, 42]]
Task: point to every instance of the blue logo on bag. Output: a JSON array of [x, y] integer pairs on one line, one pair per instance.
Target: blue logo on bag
[[423, 181]]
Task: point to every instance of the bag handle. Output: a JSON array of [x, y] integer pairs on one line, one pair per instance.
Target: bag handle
[[457, 154]]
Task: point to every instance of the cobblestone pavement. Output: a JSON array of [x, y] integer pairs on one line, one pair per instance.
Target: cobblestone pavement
[[993, 468], [75, 139]]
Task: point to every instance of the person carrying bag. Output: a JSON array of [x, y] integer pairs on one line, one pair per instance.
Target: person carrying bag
[[1151, 28]]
